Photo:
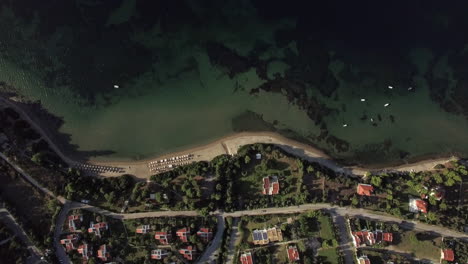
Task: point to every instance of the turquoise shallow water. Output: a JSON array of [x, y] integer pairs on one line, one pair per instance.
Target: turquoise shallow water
[[188, 80]]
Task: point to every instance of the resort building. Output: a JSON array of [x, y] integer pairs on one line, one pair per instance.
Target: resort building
[[364, 260], [70, 242], [270, 185], [187, 252], [183, 234], [447, 255], [417, 205], [368, 238], [98, 228], [102, 253], [163, 237], [85, 251], [365, 189], [159, 254], [363, 238], [260, 237], [205, 234], [246, 258], [74, 222], [265, 236], [293, 254], [143, 229]]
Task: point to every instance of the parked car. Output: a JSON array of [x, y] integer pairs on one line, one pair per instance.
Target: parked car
[[85, 201]]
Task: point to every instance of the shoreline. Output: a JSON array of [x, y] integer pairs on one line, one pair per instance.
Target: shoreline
[[229, 145]]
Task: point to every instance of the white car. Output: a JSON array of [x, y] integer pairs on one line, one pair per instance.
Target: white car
[[85, 201]]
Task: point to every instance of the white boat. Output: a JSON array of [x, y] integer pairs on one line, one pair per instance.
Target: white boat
[[390, 87], [363, 100], [372, 119], [345, 125], [116, 86], [410, 88], [387, 104]]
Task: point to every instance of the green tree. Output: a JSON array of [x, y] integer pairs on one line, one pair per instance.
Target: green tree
[[247, 159], [376, 181], [355, 201]]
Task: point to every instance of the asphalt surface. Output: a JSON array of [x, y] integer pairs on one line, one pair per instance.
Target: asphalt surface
[[211, 253], [338, 211], [234, 240], [11, 223]]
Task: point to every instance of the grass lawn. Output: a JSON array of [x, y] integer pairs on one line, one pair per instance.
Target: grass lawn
[[248, 226], [326, 228], [329, 255], [281, 254], [423, 249]]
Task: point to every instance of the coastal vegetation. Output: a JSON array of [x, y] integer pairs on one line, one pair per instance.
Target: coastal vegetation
[[12, 249]]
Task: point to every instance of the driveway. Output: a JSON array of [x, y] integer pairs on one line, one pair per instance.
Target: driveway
[[211, 253]]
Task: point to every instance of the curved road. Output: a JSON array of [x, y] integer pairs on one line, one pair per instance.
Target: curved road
[[335, 210]]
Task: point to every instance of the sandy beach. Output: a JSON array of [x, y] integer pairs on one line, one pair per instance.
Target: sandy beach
[[229, 145]]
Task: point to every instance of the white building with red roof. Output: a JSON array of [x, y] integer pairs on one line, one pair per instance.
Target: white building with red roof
[[98, 228], [364, 260], [143, 229], [103, 254], [363, 238], [447, 254], [205, 234], [188, 252], [365, 189], [163, 237], [74, 222], [183, 234], [70, 242], [293, 254], [159, 254], [417, 205], [246, 258], [271, 185], [85, 251]]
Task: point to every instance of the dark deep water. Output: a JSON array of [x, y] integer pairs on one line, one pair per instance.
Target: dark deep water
[[192, 71]]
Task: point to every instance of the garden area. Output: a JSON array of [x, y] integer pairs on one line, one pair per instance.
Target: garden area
[[313, 233]]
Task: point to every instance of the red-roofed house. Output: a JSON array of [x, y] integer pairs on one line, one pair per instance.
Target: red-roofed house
[[270, 185], [163, 237], [365, 189], [74, 222], [85, 251], [447, 254], [387, 237], [205, 234], [246, 258], [102, 253], [438, 193], [364, 260], [293, 254], [183, 234], [98, 228], [187, 252], [159, 254], [363, 238], [70, 242], [143, 229], [417, 205]]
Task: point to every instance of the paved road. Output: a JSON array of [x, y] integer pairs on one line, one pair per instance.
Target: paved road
[[235, 238], [340, 211], [11, 223], [59, 221], [346, 246], [211, 253], [31, 179]]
